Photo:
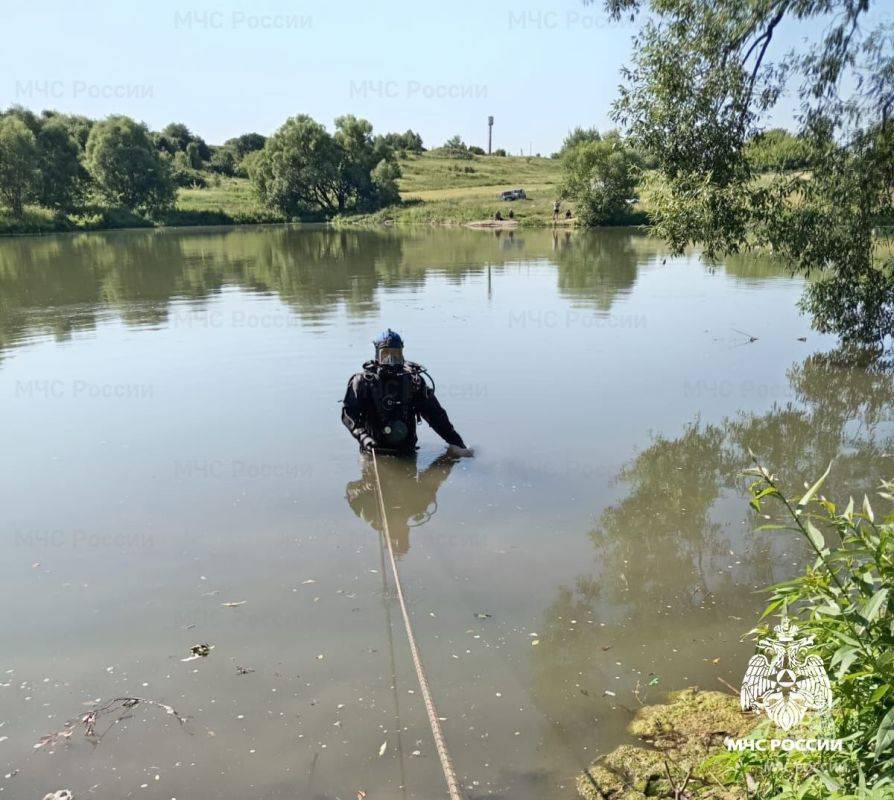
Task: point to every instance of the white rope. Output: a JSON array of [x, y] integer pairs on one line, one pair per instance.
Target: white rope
[[437, 733]]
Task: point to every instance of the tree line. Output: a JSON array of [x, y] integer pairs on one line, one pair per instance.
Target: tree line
[[70, 164]]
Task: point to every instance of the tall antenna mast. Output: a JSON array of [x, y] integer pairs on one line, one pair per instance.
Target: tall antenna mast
[[490, 131]]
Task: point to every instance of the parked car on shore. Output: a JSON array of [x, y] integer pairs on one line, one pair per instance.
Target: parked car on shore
[[513, 194]]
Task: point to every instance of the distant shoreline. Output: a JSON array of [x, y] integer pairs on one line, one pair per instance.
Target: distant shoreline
[[337, 224], [436, 191]]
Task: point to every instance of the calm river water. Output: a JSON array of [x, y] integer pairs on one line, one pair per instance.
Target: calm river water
[[171, 443]]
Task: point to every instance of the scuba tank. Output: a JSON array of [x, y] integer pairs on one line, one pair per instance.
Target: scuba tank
[[393, 392]]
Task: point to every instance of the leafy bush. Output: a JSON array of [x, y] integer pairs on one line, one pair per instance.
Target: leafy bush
[[183, 174], [407, 142], [223, 161], [455, 147], [384, 179], [600, 176], [845, 601]]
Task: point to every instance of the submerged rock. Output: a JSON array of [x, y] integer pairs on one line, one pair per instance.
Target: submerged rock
[[677, 737]]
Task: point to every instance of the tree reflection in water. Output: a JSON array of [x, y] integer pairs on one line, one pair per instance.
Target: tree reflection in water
[[677, 553]]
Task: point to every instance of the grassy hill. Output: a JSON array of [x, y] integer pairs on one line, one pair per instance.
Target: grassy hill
[[436, 189]]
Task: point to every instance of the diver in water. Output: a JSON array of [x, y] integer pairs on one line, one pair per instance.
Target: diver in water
[[410, 495], [383, 403]]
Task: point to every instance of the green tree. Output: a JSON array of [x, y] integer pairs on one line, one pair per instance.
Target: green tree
[[182, 173], [245, 144], [297, 172], [357, 157], [455, 147], [78, 126], [127, 168], [600, 176], [26, 115], [384, 181], [409, 141], [193, 155], [223, 161], [177, 138], [579, 136], [174, 137], [305, 169], [18, 164], [62, 179], [702, 85], [360, 186], [777, 149]]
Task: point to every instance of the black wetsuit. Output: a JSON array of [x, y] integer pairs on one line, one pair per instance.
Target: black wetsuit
[[383, 403]]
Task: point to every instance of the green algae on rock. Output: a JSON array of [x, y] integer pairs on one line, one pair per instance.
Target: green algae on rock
[[677, 737]]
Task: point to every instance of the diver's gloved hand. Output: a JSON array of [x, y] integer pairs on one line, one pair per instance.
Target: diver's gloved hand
[[460, 452], [368, 443]]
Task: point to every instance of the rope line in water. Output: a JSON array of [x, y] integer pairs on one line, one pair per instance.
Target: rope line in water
[[437, 733], [390, 629]]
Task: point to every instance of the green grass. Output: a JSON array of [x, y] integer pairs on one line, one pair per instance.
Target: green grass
[[232, 201], [430, 171], [225, 201], [438, 190]]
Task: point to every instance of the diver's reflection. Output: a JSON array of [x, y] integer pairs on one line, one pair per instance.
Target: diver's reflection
[[410, 494]]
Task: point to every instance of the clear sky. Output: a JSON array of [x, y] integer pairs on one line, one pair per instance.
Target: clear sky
[[232, 67]]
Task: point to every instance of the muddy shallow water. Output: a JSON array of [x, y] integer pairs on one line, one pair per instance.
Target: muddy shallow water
[[172, 443]]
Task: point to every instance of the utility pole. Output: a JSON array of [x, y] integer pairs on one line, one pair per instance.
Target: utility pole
[[490, 131]]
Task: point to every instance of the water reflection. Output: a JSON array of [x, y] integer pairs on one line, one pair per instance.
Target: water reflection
[[678, 548], [57, 285], [410, 494], [595, 270], [624, 553]]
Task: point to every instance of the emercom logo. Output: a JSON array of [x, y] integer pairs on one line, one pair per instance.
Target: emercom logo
[[784, 685]]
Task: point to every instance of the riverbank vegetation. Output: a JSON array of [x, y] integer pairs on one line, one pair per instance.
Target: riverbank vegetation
[[701, 88], [62, 172], [843, 603]]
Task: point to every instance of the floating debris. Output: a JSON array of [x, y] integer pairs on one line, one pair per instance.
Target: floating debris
[[243, 670], [199, 651], [483, 615], [383, 748], [59, 794], [234, 604], [91, 718]]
